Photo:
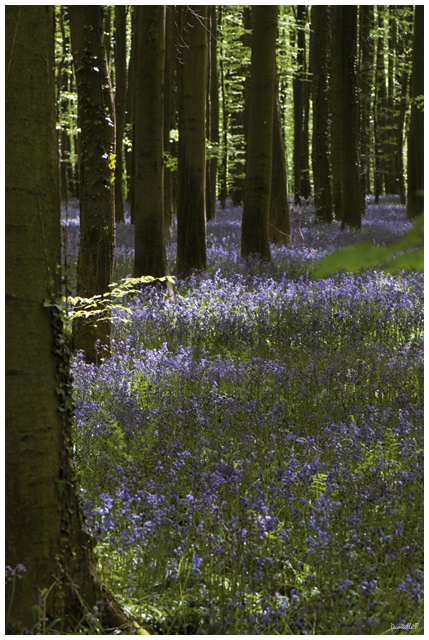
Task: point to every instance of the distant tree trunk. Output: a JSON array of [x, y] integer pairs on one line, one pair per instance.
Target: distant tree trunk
[[319, 51], [191, 209], [301, 112], [212, 115], [415, 204], [366, 73], [256, 209], [44, 529], [97, 205], [279, 229], [150, 258], [120, 105]]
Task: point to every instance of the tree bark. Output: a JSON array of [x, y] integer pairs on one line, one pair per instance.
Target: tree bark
[[415, 204], [256, 209], [120, 105], [301, 112], [97, 205], [44, 529], [320, 44], [191, 210], [279, 229], [212, 115], [366, 73], [150, 257]]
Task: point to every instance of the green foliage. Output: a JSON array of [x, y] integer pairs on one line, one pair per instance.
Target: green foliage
[[102, 306], [407, 253]]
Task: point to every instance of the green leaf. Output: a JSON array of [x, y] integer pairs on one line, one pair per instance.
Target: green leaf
[[407, 253]]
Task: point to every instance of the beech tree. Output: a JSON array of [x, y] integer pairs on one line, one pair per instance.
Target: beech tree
[[319, 53], [44, 530], [191, 208], [150, 258], [415, 204], [120, 104], [257, 192], [96, 116]]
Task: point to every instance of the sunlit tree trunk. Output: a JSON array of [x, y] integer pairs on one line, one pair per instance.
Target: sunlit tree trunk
[[150, 257], [44, 529], [97, 205], [256, 209], [301, 112], [416, 134], [320, 44], [191, 209]]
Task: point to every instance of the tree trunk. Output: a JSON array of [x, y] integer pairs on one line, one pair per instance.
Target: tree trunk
[[191, 210], [150, 258], [335, 102], [301, 112], [212, 116], [416, 134], [170, 176], [120, 105], [224, 164], [380, 111], [130, 111], [319, 50], [352, 208], [256, 209], [44, 529], [366, 73], [97, 204], [279, 229]]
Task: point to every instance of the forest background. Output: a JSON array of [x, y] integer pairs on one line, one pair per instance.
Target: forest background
[[167, 116]]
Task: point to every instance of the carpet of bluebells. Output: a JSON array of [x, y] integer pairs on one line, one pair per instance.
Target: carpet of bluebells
[[251, 454]]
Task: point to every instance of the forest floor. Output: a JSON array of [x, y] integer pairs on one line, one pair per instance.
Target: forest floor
[[251, 454]]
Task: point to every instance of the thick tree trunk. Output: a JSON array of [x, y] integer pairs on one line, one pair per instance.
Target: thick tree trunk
[[130, 111], [191, 210], [320, 44], [97, 205], [352, 209], [224, 164], [256, 209], [120, 105], [415, 202], [170, 177], [380, 111], [44, 529], [150, 257]]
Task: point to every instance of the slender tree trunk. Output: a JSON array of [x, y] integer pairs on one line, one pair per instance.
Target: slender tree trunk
[[191, 210], [279, 229], [335, 101], [256, 209], [366, 73], [130, 111], [97, 206], [380, 111], [212, 116], [44, 530], [150, 258], [320, 43], [120, 105], [301, 112], [224, 163], [169, 117], [415, 204]]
